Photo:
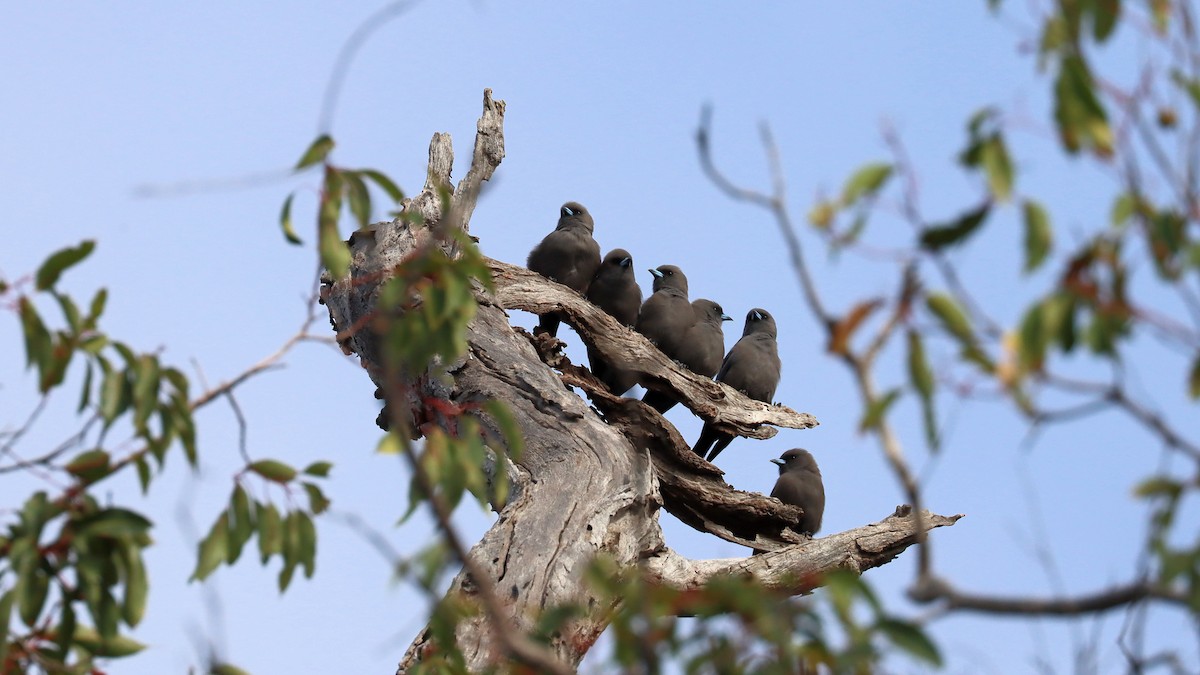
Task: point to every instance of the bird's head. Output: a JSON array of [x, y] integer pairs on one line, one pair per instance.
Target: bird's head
[[575, 214], [669, 276], [759, 320]]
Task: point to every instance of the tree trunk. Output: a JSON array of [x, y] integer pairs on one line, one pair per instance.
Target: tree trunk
[[590, 481]]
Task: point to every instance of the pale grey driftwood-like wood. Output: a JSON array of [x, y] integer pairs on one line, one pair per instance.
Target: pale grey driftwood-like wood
[[591, 480]]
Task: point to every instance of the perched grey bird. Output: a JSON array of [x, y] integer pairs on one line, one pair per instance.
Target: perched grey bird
[[752, 367], [800, 485], [568, 255], [666, 315], [701, 350], [615, 290]]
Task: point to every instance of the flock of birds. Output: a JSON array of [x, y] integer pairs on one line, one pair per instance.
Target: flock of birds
[[687, 331]]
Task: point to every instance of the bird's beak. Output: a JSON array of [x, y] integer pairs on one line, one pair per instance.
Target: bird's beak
[[757, 316], [626, 262], [656, 273], [726, 317], [566, 211], [777, 461]]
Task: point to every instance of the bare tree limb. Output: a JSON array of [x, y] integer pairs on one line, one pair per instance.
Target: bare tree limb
[[798, 569]]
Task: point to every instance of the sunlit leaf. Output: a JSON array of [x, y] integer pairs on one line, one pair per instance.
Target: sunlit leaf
[[997, 166], [1081, 119], [56, 264], [316, 152], [285, 221], [389, 445], [951, 316], [866, 181], [227, 669]]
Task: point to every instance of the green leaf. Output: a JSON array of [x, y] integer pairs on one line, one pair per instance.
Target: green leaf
[[70, 311], [270, 531], [113, 394], [137, 587], [921, 377], [997, 166], [389, 445], [911, 639], [114, 523], [1038, 236], [145, 390], [384, 182], [1035, 336], [866, 181], [1158, 486], [318, 469], [1081, 119], [37, 338], [940, 236], [335, 255], [226, 669], [241, 525], [90, 465], [951, 316], [143, 472], [97, 307], [877, 410], [56, 264], [1104, 17], [32, 586], [285, 222], [6, 606], [1189, 85], [317, 152], [112, 648], [273, 470], [213, 549], [316, 499], [358, 197], [307, 543]]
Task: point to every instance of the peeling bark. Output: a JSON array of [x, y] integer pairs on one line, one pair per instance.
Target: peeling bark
[[591, 479]]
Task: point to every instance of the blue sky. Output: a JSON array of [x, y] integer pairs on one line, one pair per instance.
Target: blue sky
[[107, 101]]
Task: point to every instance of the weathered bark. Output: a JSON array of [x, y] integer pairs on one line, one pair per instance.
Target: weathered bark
[[591, 480]]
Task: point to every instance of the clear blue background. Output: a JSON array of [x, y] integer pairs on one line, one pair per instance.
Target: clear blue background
[[114, 114]]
